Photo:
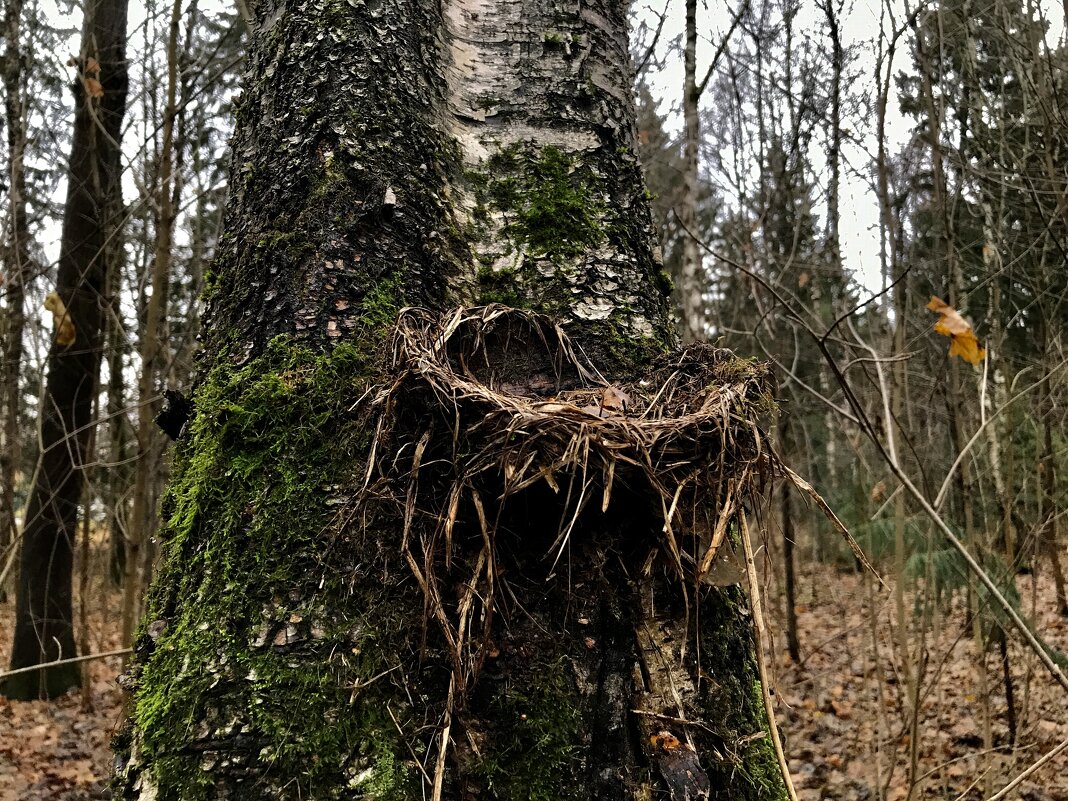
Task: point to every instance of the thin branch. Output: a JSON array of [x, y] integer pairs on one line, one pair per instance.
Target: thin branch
[[69, 661], [656, 40], [1008, 788], [722, 47], [762, 666]]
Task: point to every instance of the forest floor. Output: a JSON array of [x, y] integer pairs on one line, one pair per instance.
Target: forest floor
[[841, 709]]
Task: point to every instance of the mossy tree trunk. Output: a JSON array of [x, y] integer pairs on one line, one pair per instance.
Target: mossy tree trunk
[[405, 152], [44, 617]]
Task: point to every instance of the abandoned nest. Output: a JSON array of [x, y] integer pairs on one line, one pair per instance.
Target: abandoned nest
[[524, 406]]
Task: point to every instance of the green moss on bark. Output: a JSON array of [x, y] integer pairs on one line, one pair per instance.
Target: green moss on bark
[[551, 207], [559, 233], [731, 697], [248, 668], [534, 751]]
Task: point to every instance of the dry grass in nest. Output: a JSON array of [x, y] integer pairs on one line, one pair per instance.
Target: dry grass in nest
[[488, 402], [506, 400]]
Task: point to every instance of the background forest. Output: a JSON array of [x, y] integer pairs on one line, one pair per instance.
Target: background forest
[[819, 172]]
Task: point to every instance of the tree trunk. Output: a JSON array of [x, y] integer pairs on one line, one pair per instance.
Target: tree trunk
[[1047, 468], [788, 541], [43, 626], [119, 477], [17, 271], [153, 348], [313, 631], [692, 289]]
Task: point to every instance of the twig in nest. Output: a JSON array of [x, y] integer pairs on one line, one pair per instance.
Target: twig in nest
[[443, 749]]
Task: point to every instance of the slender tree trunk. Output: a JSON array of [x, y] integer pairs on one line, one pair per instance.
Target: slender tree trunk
[[1047, 532], [118, 477], [834, 150], [16, 273], [895, 425], [692, 286], [85, 571], [416, 153], [788, 535], [43, 626], [152, 347]]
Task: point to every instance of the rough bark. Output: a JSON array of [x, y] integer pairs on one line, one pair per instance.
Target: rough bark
[[43, 627], [394, 153]]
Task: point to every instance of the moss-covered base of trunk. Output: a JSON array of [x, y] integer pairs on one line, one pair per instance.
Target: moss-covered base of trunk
[[731, 697], [271, 632]]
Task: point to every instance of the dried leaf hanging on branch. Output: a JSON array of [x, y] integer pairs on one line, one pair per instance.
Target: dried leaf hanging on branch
[[62, 322], [963, 340], [90, 76]]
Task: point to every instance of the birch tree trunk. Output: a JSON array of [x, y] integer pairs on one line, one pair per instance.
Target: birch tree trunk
[[692, 291], [388, 154]]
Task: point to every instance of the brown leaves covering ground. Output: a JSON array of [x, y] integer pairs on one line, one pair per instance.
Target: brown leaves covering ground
[[842, 709], [830, 708], [56, 751]]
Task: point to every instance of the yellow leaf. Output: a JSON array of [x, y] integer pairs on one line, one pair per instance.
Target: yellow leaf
[[93, 87], [65, 333], [963, 341]]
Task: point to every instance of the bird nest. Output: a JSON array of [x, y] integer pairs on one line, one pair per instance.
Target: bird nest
[[491, 406], [525, 406], [489, 403]]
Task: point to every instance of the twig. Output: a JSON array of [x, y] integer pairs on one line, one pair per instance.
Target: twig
[[671, 719], [411, 750], [762, 668], [656, 40], [1008, 788], [443, 749], [722, 47], [810, 491], [69, 661]]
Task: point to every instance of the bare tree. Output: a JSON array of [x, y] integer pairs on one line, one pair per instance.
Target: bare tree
[[43, 629]]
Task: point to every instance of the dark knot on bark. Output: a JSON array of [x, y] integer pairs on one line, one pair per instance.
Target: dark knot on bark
[[175, 415]]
